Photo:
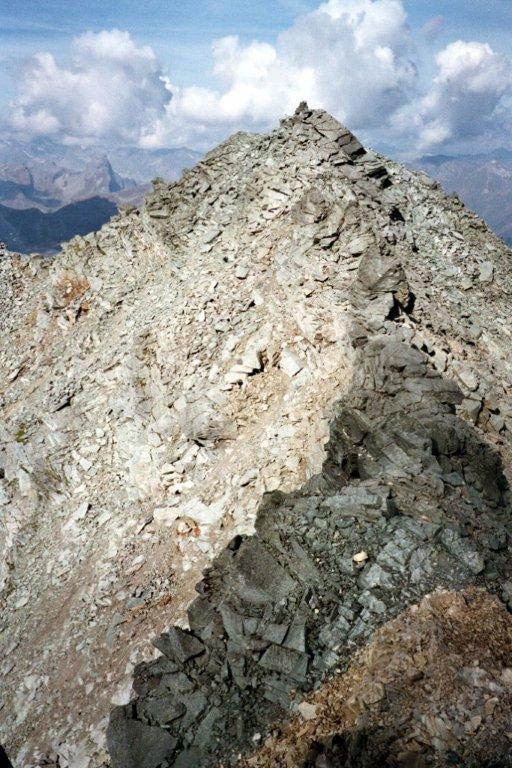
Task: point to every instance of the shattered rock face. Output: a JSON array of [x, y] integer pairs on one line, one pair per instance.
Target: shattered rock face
[[285, 369], [280, 610]]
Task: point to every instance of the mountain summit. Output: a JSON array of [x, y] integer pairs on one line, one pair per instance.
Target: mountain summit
[[284, 379]]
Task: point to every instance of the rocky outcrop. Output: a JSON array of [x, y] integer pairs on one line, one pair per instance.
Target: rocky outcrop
[[288, 369], [410, 498]]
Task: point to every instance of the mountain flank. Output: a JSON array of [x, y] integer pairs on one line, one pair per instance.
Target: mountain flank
[[251, 431]]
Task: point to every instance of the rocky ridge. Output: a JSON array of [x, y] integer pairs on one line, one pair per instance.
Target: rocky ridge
[[166, 372]]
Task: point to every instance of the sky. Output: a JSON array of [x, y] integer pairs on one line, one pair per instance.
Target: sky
[[409, 76]]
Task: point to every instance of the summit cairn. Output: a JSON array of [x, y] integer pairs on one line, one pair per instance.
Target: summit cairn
[[295, 355]]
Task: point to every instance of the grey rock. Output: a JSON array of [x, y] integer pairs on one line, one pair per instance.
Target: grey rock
[[286, 661], [275, 633], [161, 710], [179, 645], [372, 603], [462, 550], [486, 272], [333, 634], [132, 744], [375, 576], [258, 577], [154, 403], [296, 635]]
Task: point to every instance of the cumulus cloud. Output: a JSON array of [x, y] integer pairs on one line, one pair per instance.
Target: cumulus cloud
[[466, 97], [113, 88], [355, 58], [352, 57]]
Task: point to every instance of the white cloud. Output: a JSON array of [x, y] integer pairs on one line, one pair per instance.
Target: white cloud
[[354, 58], [112, 89], [465, 100], [351, 57]]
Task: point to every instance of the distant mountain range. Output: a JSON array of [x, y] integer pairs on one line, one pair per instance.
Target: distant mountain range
[[483, 182], [63, 190], [48, 186], [135, 163], [49, 191]]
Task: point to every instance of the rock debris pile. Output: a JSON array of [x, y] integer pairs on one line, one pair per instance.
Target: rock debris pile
[[288, 371], [431, 688]]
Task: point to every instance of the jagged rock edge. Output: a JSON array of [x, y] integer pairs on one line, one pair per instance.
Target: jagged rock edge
[[260, 631]]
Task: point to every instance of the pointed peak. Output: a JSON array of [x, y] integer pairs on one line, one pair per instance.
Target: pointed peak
[[327, 125], [303, 110]]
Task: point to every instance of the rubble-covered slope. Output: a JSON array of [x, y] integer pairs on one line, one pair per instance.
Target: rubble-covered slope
[[432, 688], [161, 376]]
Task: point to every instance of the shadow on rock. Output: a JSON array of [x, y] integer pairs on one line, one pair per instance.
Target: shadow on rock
[[410, 498], [408, 487]]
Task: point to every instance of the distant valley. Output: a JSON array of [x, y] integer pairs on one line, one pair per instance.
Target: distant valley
[[29, 230]]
